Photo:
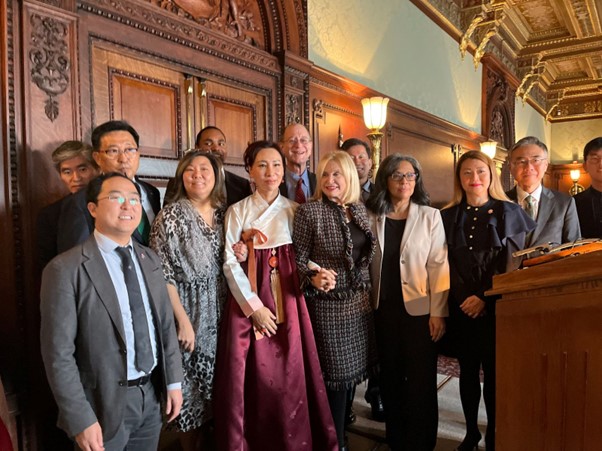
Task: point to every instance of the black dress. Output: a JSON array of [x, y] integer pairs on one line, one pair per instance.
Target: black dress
[[480, 245]]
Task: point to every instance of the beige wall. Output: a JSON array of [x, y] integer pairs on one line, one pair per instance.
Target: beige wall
[[392, 47], [569, 138]]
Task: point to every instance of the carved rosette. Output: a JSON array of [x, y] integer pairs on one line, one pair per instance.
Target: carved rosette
[[49, 58]]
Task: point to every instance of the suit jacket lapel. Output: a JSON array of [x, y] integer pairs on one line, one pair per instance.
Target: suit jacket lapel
[[410, 223], [99, 276]]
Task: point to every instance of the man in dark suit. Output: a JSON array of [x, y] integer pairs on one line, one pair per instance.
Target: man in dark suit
[[589, 202], [361, 154], [76, 167], [299, 183], [115, 149], [554, 212], [212, 139], [108, 338]]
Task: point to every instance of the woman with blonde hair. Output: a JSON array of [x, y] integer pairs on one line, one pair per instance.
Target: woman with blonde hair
[[482, 228], [334, 246]]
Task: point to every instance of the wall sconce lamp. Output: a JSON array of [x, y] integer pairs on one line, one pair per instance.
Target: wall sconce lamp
[[575, 175], [375, 116], [489, 148]]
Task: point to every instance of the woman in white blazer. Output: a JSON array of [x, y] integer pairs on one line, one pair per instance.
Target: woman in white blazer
[[410, 278]]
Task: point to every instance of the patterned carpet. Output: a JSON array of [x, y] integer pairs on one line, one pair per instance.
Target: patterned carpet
[[448, 366]]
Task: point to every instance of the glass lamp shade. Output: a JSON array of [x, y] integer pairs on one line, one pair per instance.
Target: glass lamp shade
[[489, 148], [375, 112], [575, 174]]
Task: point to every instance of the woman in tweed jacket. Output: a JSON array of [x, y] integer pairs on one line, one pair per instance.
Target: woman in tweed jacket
[[334, 246]]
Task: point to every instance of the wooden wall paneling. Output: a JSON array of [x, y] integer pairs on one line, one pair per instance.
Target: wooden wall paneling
[[150, 97], [11, 320], [49, 109], [240, 114], [197, 69], [560, 178]]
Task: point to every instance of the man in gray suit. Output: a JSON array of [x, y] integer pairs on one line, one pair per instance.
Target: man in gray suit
[[108, 338], [554, 212]]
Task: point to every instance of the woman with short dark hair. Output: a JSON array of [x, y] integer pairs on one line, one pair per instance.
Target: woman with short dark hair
[[268, 379], [410, 277]]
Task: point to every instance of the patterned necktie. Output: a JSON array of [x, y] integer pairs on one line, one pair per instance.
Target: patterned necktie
[[299, 194], [142, 343], [530, 206], [144, 227]]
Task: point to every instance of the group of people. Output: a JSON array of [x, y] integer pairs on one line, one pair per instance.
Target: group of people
[[261, 305]]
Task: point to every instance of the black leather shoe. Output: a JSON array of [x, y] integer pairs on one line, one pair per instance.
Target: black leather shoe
[[470, 443], [378, 411]]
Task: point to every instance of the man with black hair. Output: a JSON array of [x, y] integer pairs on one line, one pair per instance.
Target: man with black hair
[[115, 149], [589, 202], [107, 335]]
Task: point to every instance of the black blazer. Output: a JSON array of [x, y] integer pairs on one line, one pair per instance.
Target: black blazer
[[312, 185], [237, 188], [76, 224], [589, 216], [47, 231]]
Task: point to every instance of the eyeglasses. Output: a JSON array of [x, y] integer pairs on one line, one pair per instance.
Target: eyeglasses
[[524, 162], [399, 176], [304, 141], [111, 154], [116, 198], [594, 160]]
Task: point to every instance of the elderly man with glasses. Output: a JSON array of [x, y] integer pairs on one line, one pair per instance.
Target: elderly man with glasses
[[299, 183], [115, 149], [554, 212]]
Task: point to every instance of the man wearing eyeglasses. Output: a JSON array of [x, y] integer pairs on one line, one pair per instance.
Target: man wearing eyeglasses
[[299, 183], [554, 212], [589, 202], [115, 149], [108, 338]]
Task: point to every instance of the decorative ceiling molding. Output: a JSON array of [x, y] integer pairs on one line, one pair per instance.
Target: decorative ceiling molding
[[553, 47]]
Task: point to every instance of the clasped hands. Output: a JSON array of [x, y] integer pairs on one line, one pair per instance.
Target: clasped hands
[[264, 321], [473, 306], [324, 280]]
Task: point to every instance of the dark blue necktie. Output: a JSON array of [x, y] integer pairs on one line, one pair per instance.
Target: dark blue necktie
[[144, 352]]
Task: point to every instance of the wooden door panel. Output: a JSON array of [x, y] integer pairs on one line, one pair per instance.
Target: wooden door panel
[[152, 110]]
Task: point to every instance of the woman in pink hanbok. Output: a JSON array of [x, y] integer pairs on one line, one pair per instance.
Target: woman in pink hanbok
[[269, 391]]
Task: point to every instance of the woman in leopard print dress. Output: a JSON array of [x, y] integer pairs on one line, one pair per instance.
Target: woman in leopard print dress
[[188, 236]]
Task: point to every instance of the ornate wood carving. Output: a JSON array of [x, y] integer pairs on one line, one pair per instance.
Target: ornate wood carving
[[238, 19], [498, 114], [293, 108], [167, 25], [49, 57]]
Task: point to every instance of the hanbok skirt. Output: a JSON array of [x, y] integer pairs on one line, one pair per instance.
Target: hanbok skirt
[[269, 394]]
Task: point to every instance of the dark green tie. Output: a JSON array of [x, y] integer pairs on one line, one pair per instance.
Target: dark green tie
[[144, 227]]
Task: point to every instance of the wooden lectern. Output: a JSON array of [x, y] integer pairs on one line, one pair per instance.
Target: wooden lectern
[[549, 356]]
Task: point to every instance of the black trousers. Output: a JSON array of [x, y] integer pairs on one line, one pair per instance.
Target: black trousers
[[408, 379], [476, 351]]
